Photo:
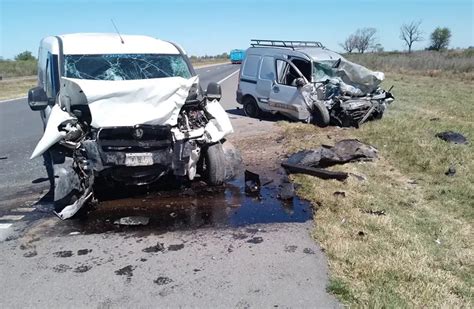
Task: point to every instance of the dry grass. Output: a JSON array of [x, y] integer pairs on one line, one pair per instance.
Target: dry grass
[[458, 64], [16, 87], [420, 254], [10, 68]]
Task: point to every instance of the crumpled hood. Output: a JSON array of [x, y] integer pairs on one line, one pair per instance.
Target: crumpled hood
[[128, 102]]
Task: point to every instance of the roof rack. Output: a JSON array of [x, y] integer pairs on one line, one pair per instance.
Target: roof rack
[[282, 43]]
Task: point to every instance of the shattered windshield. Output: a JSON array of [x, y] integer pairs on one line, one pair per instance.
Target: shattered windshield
[[323, 70], [125, 66]]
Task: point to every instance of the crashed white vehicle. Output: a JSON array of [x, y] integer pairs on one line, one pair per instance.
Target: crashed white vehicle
[[124, 109], [305, 81]]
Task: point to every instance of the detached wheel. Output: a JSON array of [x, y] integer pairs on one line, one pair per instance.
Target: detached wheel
[[320, 114], [251, 108], [214, 165]]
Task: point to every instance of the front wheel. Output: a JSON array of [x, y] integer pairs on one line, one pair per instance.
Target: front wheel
[[214, 165], [320, 115]]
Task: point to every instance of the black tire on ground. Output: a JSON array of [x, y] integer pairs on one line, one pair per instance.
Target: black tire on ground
[[251, 108], [320, 114], [214, 160]]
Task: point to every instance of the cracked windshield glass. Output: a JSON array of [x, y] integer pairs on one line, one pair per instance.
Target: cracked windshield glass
[[125, 66]]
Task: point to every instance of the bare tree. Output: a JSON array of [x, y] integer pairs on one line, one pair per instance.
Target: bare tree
[[349, 44], [365, 38], [411, 33]]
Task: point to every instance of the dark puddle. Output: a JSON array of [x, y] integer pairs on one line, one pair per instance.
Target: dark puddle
[[194, 207]]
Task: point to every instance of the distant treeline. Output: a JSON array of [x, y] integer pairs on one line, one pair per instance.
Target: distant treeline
[[16, 68]]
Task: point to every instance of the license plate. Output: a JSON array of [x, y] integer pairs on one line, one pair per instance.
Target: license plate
[[138, 159]]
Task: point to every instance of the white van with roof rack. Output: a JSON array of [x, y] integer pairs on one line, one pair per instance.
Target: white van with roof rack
[[305, 81]]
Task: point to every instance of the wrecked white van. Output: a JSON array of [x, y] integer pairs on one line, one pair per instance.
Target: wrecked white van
[[305, 81], [124, 109]]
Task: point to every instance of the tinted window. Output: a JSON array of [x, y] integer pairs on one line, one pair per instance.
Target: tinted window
[[125, 66], [251, 66]]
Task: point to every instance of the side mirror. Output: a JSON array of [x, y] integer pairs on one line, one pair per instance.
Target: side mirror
[[214, 91], [37, 99], [299, 82]]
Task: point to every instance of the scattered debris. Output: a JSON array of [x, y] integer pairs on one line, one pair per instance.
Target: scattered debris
[[339, 194], [252, 182], [358, 177], [374, 212], [435, 119], [175, 247], [438, 241], [255, 240], [162, 280], [452, 137], [361, 234], [82, 269], [314, 161], [83, 251], [287, 191], [239, 236], [159, 247], [126, 271], [74, 233], [308, 251], [173, 215], [63, 254], [133, 221], [291, 248], [61, 268], [3, 158], [451, 171], [30, 254]]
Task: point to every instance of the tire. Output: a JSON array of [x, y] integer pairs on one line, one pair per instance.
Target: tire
[[251, 108], [214, 169], [320, 114]]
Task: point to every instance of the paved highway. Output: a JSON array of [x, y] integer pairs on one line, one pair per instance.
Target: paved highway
[[201, 249]]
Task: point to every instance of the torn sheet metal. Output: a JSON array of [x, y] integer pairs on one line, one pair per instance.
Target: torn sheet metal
[[52, 135], [129, 102], [220, 126]]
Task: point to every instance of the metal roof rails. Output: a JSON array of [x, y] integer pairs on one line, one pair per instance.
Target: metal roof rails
[[286, 44]]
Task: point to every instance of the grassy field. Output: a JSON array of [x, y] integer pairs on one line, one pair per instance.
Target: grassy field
[[16, 87], [421, 252]]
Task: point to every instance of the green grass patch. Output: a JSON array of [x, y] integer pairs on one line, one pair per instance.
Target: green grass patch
[[420, 254]]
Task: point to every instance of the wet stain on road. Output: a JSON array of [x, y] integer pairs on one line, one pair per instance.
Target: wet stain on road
[[61, 268], [82, 269], [30, 254]]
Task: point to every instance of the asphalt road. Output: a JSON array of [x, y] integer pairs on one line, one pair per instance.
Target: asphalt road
[[209, 257]]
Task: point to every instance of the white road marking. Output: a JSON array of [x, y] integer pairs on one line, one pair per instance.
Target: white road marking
[[23, 209], [4, 226], [228, 76], [208, 71], [12, 217]]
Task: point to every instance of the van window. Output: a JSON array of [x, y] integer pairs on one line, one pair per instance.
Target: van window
[[267, 69], [282, 71], [251, 66]]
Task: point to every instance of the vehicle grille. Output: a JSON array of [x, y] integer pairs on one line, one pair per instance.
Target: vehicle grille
[[140, 138]]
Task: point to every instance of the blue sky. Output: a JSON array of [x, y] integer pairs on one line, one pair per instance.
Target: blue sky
[[212, 27]]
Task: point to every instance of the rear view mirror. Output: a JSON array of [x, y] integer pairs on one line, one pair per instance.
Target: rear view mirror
[[37, 99], [214, 91]]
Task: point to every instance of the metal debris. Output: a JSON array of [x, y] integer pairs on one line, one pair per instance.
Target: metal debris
[[451, 171], [252, 182], [137, 220], [452, 137]]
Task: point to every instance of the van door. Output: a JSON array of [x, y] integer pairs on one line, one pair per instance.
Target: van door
[[284, 96], [266, 76]]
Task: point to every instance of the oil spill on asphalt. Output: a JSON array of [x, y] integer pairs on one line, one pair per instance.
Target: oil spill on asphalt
[[194, 207]]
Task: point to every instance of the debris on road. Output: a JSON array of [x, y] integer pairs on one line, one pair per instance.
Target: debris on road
[[374, 212], [452, 137], [3, 157], [252, 182], [133, 221], [451, 171], [159, 247], [313, 162]]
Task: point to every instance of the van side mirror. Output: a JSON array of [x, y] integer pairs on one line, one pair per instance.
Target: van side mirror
[[37, 99], [214, 91]]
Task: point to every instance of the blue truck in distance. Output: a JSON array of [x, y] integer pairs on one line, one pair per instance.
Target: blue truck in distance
[[237, 56]]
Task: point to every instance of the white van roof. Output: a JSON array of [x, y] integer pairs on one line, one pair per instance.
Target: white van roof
[[312, 53], [107, 43]]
